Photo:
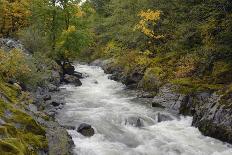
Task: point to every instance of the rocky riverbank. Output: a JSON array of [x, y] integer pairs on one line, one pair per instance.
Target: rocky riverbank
[[212, 112], [27, 114]]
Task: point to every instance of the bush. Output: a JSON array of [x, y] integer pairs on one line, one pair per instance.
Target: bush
[[13, 65]]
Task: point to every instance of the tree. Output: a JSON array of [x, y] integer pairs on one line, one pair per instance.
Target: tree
[[14, 16]]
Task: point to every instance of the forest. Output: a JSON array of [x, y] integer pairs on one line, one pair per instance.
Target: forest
[[149, 44]]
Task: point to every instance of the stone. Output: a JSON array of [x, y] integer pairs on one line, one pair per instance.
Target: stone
[[157, 105], [47, 97], [79, 75], [70, 79], [134, 121], [52, 88], [86, 130], [68, 69], [163, 117]]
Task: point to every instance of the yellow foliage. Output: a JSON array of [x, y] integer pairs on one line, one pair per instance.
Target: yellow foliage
[[146, 18], [14, 15], [186, 66], [13, 64], [79, 12]]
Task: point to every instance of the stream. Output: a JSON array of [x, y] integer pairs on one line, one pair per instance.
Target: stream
[[114, 111]]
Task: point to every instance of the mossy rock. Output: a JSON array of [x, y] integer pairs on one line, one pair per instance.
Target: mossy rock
[[151, 79], [28, 122], [189, 85], [11, 146]]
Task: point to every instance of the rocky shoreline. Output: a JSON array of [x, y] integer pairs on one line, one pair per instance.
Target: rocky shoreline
[[211, 112], [46, 101], [50, 99]]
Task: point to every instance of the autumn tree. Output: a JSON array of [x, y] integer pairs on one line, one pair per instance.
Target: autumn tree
[[13, 16]]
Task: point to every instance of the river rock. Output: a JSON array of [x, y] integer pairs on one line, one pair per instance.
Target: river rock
[[163, 117], [168, 98], [134, 121], [212, 114], [70, 79], [79, 75], [86, 130], [52, 88], [68, 68], [47, 97]]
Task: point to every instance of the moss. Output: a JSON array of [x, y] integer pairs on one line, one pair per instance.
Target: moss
[[11, 146], [29, 137], [37, 141], [28, 122], [189, 85], [151, 79], [10, 91]]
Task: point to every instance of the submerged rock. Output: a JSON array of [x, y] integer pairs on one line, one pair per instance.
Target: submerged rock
[[86, 130], [134, 121], [163, 117]]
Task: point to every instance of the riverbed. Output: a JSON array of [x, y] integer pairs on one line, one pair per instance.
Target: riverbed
[[126, 126]]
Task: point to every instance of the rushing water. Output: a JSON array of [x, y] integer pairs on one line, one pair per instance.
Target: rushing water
[[112, 110]]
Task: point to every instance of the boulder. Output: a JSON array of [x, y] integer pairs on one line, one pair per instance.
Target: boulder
[[168, 98], [70, 79], [86, 130], [68, 69]]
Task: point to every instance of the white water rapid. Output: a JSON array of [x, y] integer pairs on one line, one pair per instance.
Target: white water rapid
[[112, 110]]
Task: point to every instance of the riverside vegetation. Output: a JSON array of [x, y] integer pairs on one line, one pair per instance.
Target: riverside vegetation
[[184, 47]]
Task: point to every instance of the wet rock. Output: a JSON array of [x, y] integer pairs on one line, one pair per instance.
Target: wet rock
[[157, 105], [52, 88], [133, 78], [169, 99], [146, 95], [47, 97], [59, 141], [68, 68], [86, 130], [95, 81], [163, 117], [212, 115], [79, 75], [56, 103], [134, 121], [70, 79]]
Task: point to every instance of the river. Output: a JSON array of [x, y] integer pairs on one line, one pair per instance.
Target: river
[[113, 111]]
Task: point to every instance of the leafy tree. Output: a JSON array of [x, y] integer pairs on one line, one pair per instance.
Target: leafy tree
[[13, 16]]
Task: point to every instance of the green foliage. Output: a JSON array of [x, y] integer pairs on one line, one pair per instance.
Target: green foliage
[[194, 52], [13, 65]]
